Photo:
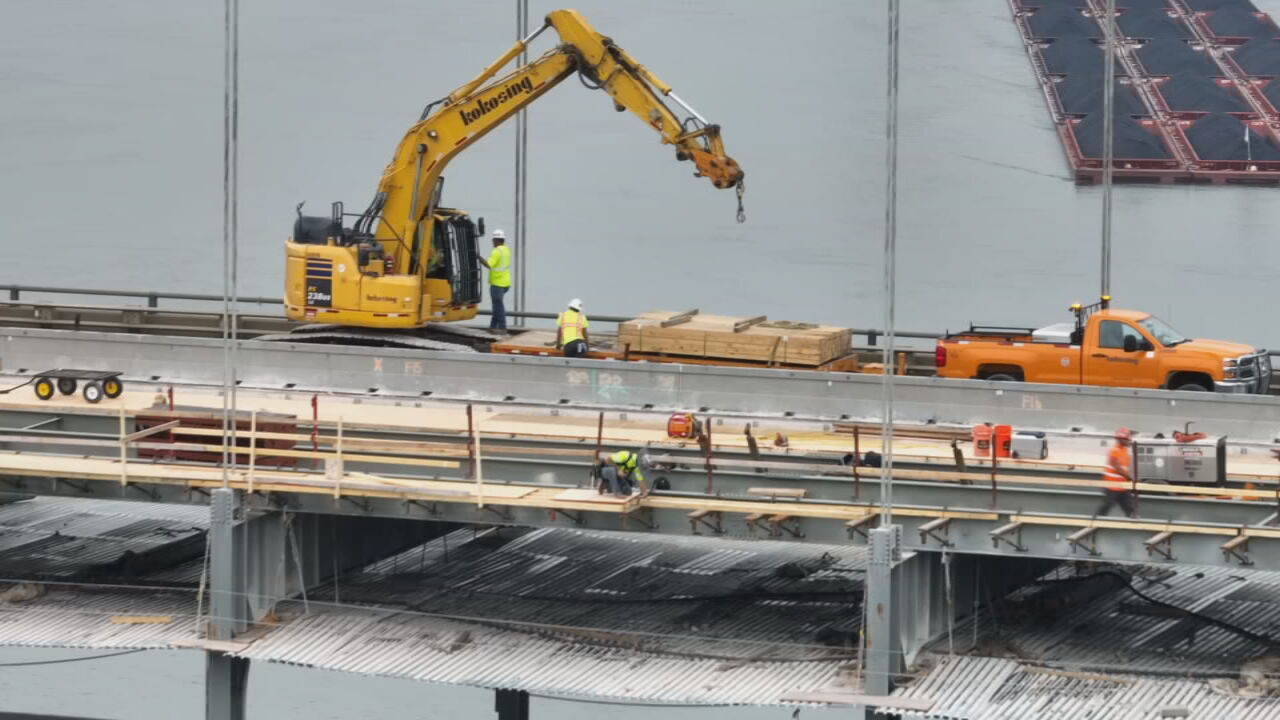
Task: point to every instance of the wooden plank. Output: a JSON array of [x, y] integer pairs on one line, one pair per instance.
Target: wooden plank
[[226, 646], [1175, 528], [153, 430], [744, 324], [1234, 543], [778, 492], [863, 520], [683, 317], [588, 496], [141, 619]]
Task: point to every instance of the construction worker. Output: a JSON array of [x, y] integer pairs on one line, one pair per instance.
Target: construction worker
[[499, 264], [626, 473], [571, 330], [1118, 475]]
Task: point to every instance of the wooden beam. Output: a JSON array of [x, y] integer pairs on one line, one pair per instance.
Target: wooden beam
[[141, 619], [680, 318], [860, 521], [777, 492], [1006, 529], [1001, 534], [932, 525], [1081, 534], [1234, 543], [155, 429]]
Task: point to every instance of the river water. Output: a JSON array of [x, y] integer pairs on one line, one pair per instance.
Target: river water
[[111, 177]]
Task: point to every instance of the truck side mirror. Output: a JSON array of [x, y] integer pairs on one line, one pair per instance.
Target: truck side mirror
[[1147, 346], [480, 227], [1130, 344]]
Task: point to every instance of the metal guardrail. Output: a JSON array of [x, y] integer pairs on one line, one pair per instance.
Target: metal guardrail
[[153, 298]]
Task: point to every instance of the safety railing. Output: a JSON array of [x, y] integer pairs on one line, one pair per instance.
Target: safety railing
[[154, 297]]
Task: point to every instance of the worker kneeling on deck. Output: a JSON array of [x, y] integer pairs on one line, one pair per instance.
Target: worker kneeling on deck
[[622, 471], [571, 330], [1118, 475]]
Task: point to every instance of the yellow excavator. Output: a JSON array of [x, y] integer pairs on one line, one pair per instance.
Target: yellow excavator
[[407, 261]]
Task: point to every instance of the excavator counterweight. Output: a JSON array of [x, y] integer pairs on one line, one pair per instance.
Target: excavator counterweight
[[407, 260]]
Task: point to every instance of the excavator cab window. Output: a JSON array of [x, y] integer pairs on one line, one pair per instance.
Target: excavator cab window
[[437, 262], [454, 247]]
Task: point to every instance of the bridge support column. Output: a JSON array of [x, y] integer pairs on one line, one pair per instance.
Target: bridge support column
[[258, 558], [226, 677], [511, 704], [884, 645]]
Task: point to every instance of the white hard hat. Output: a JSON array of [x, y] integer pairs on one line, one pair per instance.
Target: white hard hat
[[575, 304], [499, 235]]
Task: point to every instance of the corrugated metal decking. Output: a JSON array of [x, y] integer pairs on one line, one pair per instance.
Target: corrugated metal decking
[[1103, 653], [563, 612]]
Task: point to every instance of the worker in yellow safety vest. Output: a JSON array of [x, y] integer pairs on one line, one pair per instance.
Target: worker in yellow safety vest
[[1118, 476], [571, 330], [622, 471], [499, 264]]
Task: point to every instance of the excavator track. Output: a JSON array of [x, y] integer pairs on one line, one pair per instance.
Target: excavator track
[[432, 337]]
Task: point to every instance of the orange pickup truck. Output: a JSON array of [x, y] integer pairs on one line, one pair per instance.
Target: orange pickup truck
[[1120, 348]]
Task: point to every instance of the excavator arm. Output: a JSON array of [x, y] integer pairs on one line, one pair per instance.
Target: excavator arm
[[418, 265], [468, 113]]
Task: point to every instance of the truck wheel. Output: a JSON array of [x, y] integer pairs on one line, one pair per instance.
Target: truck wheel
[[1001, 377], [1192, 387]]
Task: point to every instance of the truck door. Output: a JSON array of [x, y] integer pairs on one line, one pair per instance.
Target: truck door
[[1108, 363]]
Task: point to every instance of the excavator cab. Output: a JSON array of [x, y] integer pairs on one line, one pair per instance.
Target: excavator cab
[[455, 243], [323, 248]]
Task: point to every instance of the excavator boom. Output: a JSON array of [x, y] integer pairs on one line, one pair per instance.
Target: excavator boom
[[418, 265]]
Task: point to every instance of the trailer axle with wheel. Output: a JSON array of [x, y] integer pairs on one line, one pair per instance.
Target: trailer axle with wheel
[[96, 383]]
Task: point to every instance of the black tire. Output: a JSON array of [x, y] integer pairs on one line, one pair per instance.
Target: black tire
[[112, 387], [44, 388], [1001, 377], [93, 391], [67, 386], [1192, 387]]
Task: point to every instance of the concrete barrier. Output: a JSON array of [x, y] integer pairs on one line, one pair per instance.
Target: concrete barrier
[[494, 378]]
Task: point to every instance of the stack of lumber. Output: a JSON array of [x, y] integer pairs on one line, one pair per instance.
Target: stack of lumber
[[693, 334]]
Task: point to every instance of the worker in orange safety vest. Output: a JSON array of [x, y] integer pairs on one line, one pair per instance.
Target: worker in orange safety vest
[[1118, 476]]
